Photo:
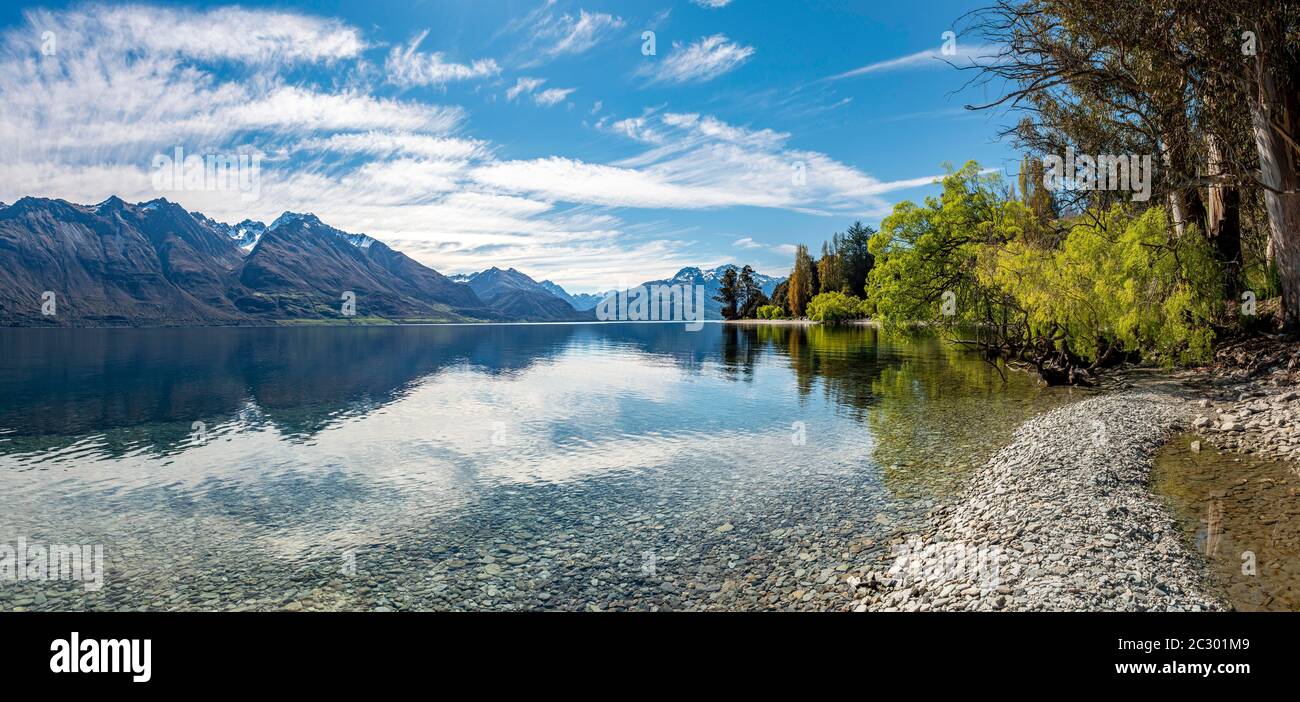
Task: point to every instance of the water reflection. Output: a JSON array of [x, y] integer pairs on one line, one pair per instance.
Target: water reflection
[[1238, 512], [579, 445]]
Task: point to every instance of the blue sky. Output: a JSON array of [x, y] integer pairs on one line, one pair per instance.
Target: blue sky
[[522, 133]]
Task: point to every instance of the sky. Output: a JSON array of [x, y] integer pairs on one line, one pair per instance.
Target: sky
[[595, 144]]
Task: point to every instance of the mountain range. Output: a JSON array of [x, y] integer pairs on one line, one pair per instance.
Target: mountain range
[[156, 264]]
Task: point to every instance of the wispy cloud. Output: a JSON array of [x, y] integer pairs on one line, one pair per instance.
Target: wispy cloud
[[930, 58], [522, 86], [551, 34], [700, 162], [406, 66], [251, 36], [546, 98], [552, 96], [712, 4], [702, 60]]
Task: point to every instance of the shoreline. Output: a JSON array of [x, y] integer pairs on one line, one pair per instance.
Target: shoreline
[[1065, 517], [1061, 519]]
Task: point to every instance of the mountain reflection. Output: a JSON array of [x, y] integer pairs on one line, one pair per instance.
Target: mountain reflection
[[60, 384]]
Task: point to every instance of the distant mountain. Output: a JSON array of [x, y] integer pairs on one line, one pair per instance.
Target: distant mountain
[[300, 267], [711, 280], [513, 295], [494, 281], [155, 264], [581, 301]]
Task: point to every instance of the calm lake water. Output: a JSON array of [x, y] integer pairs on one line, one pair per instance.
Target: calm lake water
[[611, 466]]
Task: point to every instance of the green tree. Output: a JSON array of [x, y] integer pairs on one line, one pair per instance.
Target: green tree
[[834, 307], [855, 251], [830, 269], [729, 293], [781, 297], [751, 294], [802, 280]]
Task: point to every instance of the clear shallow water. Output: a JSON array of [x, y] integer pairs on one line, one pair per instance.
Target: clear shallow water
[[1240, 512], [483, 467]]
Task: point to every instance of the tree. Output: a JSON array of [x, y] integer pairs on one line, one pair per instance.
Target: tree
[[855, 250], [781, 297], [729, 293], [835, 307], [830, 269], [1210, 88], [801, 288], [750, 294]]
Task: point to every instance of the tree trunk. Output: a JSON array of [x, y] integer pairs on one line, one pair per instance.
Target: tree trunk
[[1223, 218], [1185, 204], [1273, 115]]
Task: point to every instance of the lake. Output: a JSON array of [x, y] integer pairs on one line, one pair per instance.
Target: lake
[[562, 466]]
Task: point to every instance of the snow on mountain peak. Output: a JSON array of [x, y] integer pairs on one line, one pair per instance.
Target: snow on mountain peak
[[307, 219]]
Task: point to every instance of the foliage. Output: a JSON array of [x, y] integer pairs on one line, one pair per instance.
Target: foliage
[[1116, 284], [801, 281], [926, 255], [781, 297], [855, 253], [729, 294], [751, 295], [770, 312], [834, 307]]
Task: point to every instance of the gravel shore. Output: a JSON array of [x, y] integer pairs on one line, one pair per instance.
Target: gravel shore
[[1060, 519], [1251, 399]]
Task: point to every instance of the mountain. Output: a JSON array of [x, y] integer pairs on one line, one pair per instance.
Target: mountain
[[711, 280], [581, 301], [514, 295], [535, 305], [494, 281], [155, 264], [112, 264], [301, 267]]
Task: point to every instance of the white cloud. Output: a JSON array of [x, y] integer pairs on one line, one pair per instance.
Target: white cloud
[[551, 35], [228, 33], [712, 4], [930, 58], [546, 98], [376, 143], [300, 108], [524, 85], [575, 36], [703, 60], [406, 66], [552, 96], [747, 243], [699, 162]]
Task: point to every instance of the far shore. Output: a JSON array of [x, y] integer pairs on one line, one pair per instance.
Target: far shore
[[801, 322]]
